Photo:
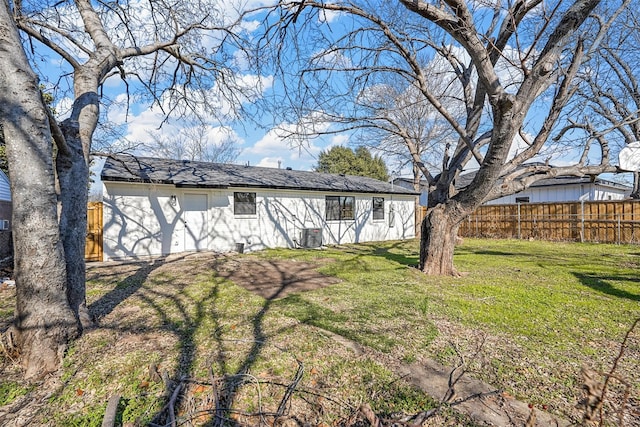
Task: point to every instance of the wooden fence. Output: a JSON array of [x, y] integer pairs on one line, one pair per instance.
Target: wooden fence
[[93, 248], [603, 221]]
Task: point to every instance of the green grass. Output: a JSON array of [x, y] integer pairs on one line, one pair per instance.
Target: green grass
[[541, 309], [10, 391], [552, 292], [558, 305]]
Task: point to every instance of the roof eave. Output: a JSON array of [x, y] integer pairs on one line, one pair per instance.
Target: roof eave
[[242, 185]]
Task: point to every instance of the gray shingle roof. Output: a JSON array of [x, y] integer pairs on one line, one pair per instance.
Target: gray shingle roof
[[184, 173], [465, 179]]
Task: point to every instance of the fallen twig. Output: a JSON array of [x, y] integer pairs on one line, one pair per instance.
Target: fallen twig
[[450, 394], [611, 374], [371, 416], [172, 402], [110, 413], [290, 389]]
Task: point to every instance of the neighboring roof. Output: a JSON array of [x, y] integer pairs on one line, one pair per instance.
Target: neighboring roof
[[184, 173], [465, 179], [408, 183], [5, 188]]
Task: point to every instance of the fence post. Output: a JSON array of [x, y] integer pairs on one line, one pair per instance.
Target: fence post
[[519, 224], [619, 239], [476, 225], [581, 221]]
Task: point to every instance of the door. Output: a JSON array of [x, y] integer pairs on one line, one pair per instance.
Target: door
[[195, 217], [93, 246]]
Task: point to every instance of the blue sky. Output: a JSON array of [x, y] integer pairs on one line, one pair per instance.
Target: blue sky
[[259, 145]]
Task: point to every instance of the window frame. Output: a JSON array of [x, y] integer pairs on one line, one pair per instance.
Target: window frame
[[239, 206], [523, 199], [343, 210], [377, 211]]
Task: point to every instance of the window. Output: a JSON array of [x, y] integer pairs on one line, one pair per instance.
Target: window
[[4, 224], [244, 203], [339, 207], [522, 199], [378, 208]]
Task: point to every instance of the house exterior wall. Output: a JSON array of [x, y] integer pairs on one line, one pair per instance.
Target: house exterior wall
[[5, 190], [565, 193], [6, 244], [5, 215], [5, 211], [140, 219]]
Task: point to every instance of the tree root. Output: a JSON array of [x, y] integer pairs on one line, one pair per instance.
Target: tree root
[[8, 344]]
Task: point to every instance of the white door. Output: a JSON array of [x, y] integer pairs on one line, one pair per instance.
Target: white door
[[194, 215]]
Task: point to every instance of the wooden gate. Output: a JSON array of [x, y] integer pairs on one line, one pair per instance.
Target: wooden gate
[[93, 248]]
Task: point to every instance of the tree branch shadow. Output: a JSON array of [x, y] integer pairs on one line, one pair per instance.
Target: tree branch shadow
[[124, 289], [604, 284], [231, 385]]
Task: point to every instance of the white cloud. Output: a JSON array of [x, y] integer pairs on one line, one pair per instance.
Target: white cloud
[[296, 145], [332, 59], [210, 105], [271, 162], [342, 139], [328, 16], [271, 143], [63, 108]]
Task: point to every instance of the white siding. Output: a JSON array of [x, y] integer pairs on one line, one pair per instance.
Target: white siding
[[139, 220], [5, 190], [565, 193]]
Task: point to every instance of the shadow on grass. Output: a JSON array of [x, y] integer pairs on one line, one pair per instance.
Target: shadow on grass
[[398, 252], [124, 288], [460, 251], [603, 284], [190, 313], [400, 258], [281, 286], [163, 302]]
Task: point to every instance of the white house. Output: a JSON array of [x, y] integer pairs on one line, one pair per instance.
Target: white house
[[157, 206], [559, 189], [567, 189]]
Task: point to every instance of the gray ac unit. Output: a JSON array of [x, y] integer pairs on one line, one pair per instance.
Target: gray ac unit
[[311, 238]]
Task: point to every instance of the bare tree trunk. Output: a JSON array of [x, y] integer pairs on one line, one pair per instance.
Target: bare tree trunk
[[73, 177], [73, 172], [635, 194], [44, 322], [417, 174], [438, 239]]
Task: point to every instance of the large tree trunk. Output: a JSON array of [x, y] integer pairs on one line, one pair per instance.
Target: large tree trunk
[[44, 322], [417, 174], [72, 171], [438, 240], [73, 175], [635, 193]]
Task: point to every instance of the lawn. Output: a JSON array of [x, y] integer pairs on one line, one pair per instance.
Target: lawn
[[524, 317]]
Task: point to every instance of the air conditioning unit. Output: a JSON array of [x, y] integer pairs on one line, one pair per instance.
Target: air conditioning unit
[[311, 238]]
